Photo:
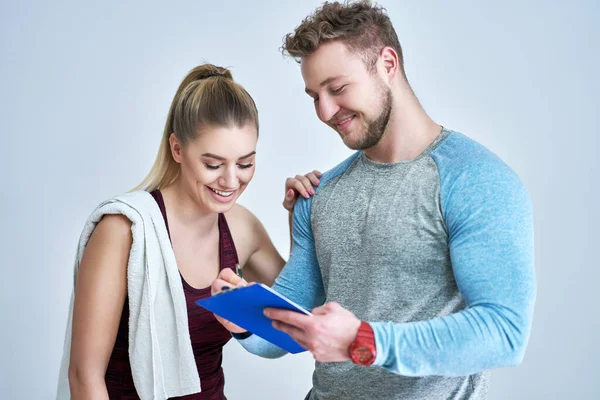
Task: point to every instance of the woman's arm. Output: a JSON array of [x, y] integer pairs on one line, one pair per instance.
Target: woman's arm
[[299, 186], [259, 258], [100, 293], [264, 262]]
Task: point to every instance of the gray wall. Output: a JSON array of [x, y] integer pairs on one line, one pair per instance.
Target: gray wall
[[85, 90]]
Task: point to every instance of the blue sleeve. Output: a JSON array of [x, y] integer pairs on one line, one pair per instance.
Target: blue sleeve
[[489, 221], [300, 280]]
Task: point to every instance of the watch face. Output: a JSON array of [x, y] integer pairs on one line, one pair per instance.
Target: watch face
[[363, 354], [363, 350]]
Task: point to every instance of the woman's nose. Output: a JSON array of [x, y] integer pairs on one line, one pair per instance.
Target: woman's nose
[[229, 178]]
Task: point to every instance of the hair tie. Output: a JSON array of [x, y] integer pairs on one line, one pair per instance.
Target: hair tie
[[213, 74]]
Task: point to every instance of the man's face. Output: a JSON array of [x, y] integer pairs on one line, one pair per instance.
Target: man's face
[[348, 97]]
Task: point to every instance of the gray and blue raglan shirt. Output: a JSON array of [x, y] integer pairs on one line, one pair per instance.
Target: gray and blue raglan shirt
[[436, 253]]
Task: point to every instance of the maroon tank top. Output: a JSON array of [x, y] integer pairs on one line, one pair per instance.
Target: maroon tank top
[[208, 336]]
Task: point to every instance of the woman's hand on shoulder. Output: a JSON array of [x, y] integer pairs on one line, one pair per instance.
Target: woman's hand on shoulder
[[303, 185]]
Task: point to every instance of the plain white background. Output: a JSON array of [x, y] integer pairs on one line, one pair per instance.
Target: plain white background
[[85, 89]]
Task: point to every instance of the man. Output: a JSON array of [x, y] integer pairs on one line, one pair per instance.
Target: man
[[416, 253]]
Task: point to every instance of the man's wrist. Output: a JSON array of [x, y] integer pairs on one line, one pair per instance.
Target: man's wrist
[[362, 350]]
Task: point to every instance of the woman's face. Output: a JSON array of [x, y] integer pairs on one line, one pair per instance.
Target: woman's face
[[217, 165]]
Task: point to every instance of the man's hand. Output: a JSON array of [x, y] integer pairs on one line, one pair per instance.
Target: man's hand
[[327, 334], [227, 278]]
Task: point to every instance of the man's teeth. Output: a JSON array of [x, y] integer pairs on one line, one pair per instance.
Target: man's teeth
[[345, 120], [224, 194]]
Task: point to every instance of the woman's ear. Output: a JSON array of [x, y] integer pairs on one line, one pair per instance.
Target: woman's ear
[[175, 148]]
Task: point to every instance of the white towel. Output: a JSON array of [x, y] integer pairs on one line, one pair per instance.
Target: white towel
[[160, 350]]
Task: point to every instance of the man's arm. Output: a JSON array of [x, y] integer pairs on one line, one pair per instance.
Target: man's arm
[[489, 220]]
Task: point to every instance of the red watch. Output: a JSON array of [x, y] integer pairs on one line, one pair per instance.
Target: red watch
[[362, 350]]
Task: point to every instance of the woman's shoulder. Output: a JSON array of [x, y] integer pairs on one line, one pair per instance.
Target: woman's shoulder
[[112, 231], [112, 221], [112, 224], [125, 206]]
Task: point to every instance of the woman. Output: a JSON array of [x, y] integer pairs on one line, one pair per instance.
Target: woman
[[128, 337]]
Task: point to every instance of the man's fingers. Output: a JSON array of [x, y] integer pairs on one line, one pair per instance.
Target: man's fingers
[[296, 333], [293, 318], [319, 310]]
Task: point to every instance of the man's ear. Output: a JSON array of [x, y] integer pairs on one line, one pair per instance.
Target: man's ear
[[390, 62]]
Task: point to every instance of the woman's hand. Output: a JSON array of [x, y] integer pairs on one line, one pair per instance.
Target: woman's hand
[[300, 185], [227, 279]]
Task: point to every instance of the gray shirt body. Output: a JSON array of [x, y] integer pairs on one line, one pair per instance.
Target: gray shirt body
[[382, 247]]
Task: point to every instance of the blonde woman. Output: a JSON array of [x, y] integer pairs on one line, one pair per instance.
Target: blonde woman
[[145, 257]]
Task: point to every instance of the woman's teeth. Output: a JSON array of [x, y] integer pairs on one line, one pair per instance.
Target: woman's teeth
[[224, 194]]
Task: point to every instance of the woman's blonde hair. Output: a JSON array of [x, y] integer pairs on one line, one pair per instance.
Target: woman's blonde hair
[[208, 96]]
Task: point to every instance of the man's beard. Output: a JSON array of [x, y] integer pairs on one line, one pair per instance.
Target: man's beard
[[375, 128]]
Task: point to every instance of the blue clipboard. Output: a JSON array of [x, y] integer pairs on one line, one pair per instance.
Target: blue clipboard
[[244, 307]]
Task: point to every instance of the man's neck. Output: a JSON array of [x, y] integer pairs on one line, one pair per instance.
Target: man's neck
[[409, 132]]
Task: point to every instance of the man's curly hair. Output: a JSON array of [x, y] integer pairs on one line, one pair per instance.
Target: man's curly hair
[[364, 27]]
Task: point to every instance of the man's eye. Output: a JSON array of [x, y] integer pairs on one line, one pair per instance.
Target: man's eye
[[338, 90]]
